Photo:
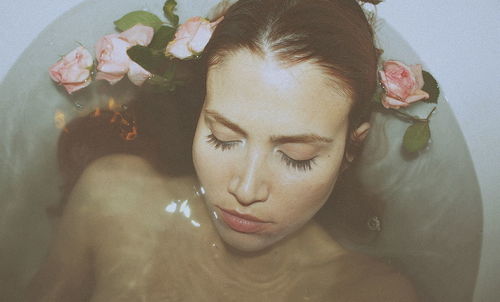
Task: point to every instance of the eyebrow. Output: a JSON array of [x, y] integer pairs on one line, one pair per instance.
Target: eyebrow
[[219, 118], [277, 139], [301, 138]]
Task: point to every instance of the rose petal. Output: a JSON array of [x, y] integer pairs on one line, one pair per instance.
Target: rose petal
[[76, 75], [189, 28], [383, 78], [137, 74], [54, 71], [201, 38], [112, 78], [417, 96], [103, 43], [112, 67], [389, 102], [70, 88], [179, 48], [203, 35], [419, 78], [110, 49], [85, 59], [138, 34]]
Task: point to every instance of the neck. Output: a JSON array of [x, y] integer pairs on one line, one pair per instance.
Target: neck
[[267, 262], [308, 246]]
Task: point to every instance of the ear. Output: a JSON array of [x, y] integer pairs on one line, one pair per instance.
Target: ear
[[357, 137], [360, 133]]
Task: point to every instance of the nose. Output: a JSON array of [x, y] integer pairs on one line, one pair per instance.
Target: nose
[[248, 184]]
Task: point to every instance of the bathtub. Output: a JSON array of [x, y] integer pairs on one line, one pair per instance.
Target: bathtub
[[456, 41]]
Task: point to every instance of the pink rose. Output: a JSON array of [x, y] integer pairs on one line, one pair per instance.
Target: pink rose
[[112, 56], [191, 37], [73, 70], [402, 84]]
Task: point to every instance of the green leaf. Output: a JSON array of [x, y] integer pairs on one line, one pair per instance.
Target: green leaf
[[162, 36], [143, 56], [158, 80], [138, 17], [379, 93], [417, 137], [170, 72], [159, 84], [431, 87], [147, 58], [168, 9]]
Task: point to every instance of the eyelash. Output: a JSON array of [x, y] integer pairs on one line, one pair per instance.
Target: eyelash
[[302, 165], [217, 143]]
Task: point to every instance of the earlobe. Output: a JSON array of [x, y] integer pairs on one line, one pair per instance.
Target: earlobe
[[359, 135]]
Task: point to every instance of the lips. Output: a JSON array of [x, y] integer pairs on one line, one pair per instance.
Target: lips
[[241, 222]]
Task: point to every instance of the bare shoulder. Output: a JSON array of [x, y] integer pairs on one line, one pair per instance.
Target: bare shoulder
[[116, 170], [125, 192], [368, 279], [115, 207], [66, 273], [121, 183]]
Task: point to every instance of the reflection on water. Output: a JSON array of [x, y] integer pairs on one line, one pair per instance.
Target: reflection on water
[[183, 209]]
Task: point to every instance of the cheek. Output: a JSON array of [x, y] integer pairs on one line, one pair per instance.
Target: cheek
[[300, 200], [209, 165], [309, 196]]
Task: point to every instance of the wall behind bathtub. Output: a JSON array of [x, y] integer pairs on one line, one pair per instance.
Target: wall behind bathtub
[[457, 39]]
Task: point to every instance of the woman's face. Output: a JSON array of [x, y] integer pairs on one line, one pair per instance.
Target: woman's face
[[268, 147]]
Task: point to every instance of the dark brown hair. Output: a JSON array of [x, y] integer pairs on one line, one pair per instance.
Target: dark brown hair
[[332, 34]]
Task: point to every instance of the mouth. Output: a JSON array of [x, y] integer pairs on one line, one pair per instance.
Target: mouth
[[242, 223]]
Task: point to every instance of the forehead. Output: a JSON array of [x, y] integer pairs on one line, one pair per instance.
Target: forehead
[[247, 86]]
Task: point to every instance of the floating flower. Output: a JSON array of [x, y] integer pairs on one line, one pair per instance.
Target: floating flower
[[402, 84], [73, 70], [191, 37], [113, 61]]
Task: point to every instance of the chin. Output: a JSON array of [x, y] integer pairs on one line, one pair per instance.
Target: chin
[[246, 243]]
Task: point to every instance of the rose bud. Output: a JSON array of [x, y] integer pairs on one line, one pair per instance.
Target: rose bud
[[191, 37], [402, 84], [73, 70], [113, 61]]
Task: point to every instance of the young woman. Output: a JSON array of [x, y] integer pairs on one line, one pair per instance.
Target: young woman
[[286, 90]]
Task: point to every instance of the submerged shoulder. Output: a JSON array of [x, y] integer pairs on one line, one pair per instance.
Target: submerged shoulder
[[117, 167], [368, 279], [124, 172], [122, 184]]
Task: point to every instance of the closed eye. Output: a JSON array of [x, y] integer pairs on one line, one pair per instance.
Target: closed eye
[[217, 143], [301, 165]]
